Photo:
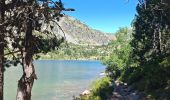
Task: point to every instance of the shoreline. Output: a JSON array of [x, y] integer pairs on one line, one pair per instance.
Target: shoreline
[[66, 60]]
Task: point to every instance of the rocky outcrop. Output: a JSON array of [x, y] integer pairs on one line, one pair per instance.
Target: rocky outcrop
[[79, 33]]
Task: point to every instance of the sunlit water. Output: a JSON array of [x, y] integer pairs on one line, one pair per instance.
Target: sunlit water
[[57, 80]]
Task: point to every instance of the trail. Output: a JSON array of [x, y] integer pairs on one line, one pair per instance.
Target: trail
[[124, 92]]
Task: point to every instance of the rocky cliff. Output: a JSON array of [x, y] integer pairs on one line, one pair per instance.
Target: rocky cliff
[[79, 33]]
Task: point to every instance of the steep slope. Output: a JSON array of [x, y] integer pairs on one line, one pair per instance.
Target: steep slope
[[78, 33]]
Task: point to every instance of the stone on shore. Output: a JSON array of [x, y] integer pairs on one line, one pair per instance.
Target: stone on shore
[[86, 92]]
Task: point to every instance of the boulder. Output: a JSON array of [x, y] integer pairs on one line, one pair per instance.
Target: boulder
[[86, 92]]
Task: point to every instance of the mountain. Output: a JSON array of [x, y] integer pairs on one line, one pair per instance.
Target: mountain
[[79, 33], [83, 42]]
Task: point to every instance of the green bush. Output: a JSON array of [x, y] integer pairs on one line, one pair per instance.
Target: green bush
[[102, 88], [131, 75], [151, 76]]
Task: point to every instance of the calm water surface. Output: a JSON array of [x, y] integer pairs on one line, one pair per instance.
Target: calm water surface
[[57, 80]]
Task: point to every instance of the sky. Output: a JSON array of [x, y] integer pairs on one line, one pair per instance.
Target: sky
[[105, 15]]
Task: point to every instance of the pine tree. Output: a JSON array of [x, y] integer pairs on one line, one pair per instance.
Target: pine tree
[[22, 37]]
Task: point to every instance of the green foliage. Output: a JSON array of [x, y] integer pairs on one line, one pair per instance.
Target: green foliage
[[151, 36], [150, 56], [143, 60], [101, 89], [150, 46], [154, 75], [71, 51], [131, 75], [29, 26], [119, 58]]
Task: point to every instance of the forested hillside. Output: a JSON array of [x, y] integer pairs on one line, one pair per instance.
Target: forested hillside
[[70, 51]]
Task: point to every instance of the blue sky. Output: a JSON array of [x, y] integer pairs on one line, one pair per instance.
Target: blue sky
[[104, 15]]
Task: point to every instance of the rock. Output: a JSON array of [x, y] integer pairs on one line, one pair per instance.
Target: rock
[[124, 92], [86, 92], [77, 32], [163, 96], [117, 82], [141, 95], [102, 74], [130, 88], [115, 96], [125, 84], [133, 96]]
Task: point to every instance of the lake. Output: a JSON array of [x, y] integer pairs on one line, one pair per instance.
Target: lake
[[57, 79]]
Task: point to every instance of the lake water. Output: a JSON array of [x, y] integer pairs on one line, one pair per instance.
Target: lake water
[[57, 80]]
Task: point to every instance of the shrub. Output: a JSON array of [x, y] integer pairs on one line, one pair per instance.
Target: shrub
[[102, 88]]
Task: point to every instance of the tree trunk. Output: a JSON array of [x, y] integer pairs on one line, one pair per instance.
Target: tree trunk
[[160, 41], [2, 44], [25, 83], [1, 66]]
